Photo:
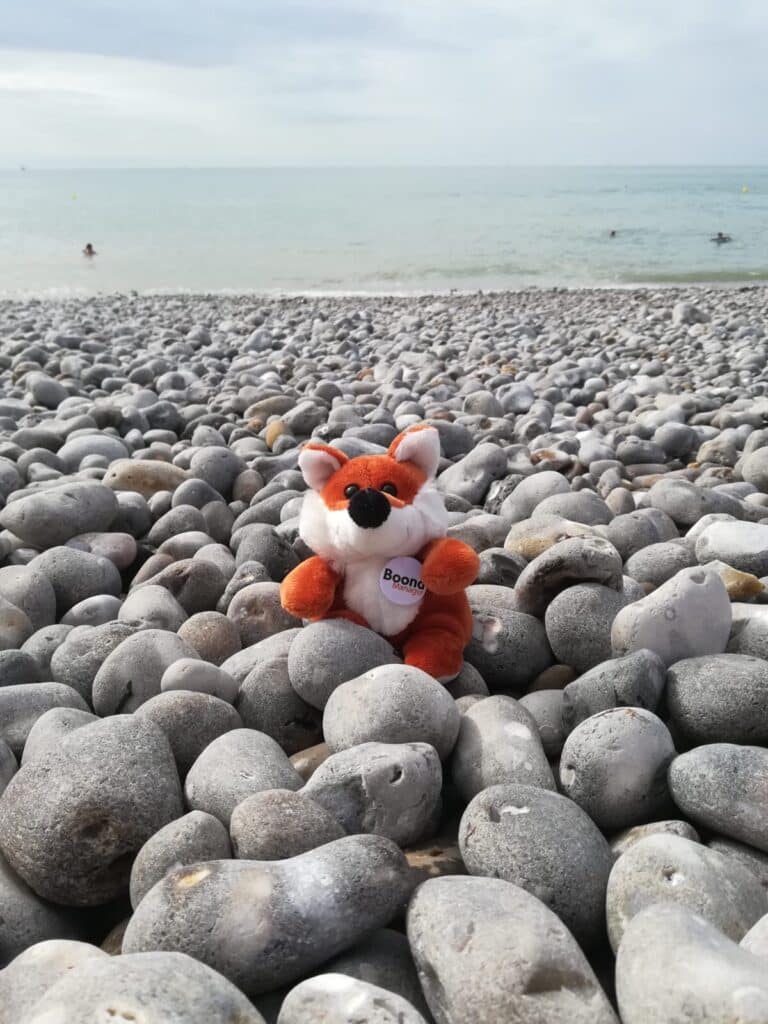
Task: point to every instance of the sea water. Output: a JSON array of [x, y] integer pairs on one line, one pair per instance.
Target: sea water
[[379, 230]]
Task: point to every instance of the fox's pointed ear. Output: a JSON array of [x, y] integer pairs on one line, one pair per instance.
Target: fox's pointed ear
[[419, 445], [318, 463]]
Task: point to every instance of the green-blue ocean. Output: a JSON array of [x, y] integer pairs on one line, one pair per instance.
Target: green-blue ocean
[[379, 230]]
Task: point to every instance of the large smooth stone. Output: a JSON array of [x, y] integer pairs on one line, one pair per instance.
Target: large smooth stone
[[195, 836], [383, 959], [271, 927], [720, 698], [29, 975], [614, 766], [190, 721], [326, 654], [50, 517], [199, 677], [22, 705], [685, 618], [31, 592], [387, 789], [724, 788], [486, 950], [547, 845], [665, 868], [159, 988], [339, 999], [132, 673], [741, 545], [76, 575], [498, 742], [267, 702], [8, 765], [391, 704], [145, 476], [673, 967], [508, 648], [51, 728], [580, 560], [83, 651], [152, 607], [280, 823], [636, 680], [27, 919], [232, 767], [72, 821], [579, 622]]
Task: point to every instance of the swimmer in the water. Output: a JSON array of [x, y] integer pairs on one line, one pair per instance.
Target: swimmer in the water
[[89, 250], [720, 238], [612, 233]]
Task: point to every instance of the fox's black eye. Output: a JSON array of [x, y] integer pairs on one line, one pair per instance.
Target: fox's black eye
[[351, 490], [389, 489]]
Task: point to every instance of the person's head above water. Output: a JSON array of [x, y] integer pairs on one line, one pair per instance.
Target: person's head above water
[[89, 250]]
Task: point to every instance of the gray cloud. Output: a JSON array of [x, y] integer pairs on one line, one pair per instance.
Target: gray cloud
[[406, 81]]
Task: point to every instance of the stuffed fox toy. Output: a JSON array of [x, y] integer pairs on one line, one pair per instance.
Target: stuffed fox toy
[[377, 526]]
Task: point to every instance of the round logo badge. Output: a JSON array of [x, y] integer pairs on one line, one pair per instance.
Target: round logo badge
[[400, 581]]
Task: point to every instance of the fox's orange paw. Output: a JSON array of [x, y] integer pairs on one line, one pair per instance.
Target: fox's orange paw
[[308, 591], [438, 653], [449, 566]]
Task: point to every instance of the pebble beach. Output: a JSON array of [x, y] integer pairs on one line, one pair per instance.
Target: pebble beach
[[213, 811]]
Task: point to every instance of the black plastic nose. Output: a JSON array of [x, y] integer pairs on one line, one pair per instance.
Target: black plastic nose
[[369, 508]]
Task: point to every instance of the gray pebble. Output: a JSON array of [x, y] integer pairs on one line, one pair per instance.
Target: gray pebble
[[280, 823], [669, 869], [391, 704], [688, 616], [326, 654], [50, 729], [155, 986], [200, 677], [724, 788], [152, 607], [232, 767], [196, 836], [30, 591], [386, 789], [339, 999], [614, 765], [131, 674], [483, 945], [82, 652], [364, 879], [190, 721], [26, 920], [212, 635], [544, 843], [675, 966], [636, 680], [720, 698], [22, 705], [508, 648], [76, 575], [498, 743], [70, 829], [48, 518], [579, 623]]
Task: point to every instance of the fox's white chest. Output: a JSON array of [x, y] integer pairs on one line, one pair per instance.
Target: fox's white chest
[[363, 594]]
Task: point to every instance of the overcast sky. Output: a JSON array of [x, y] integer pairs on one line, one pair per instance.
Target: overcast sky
[[348, 82]]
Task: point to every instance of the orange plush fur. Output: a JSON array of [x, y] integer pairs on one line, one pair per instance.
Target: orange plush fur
[[358, 515]]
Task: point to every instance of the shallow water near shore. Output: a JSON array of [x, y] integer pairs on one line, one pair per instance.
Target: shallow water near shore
[[379, 230]]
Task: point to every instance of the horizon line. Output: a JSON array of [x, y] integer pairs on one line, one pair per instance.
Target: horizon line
[[27, 168]]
